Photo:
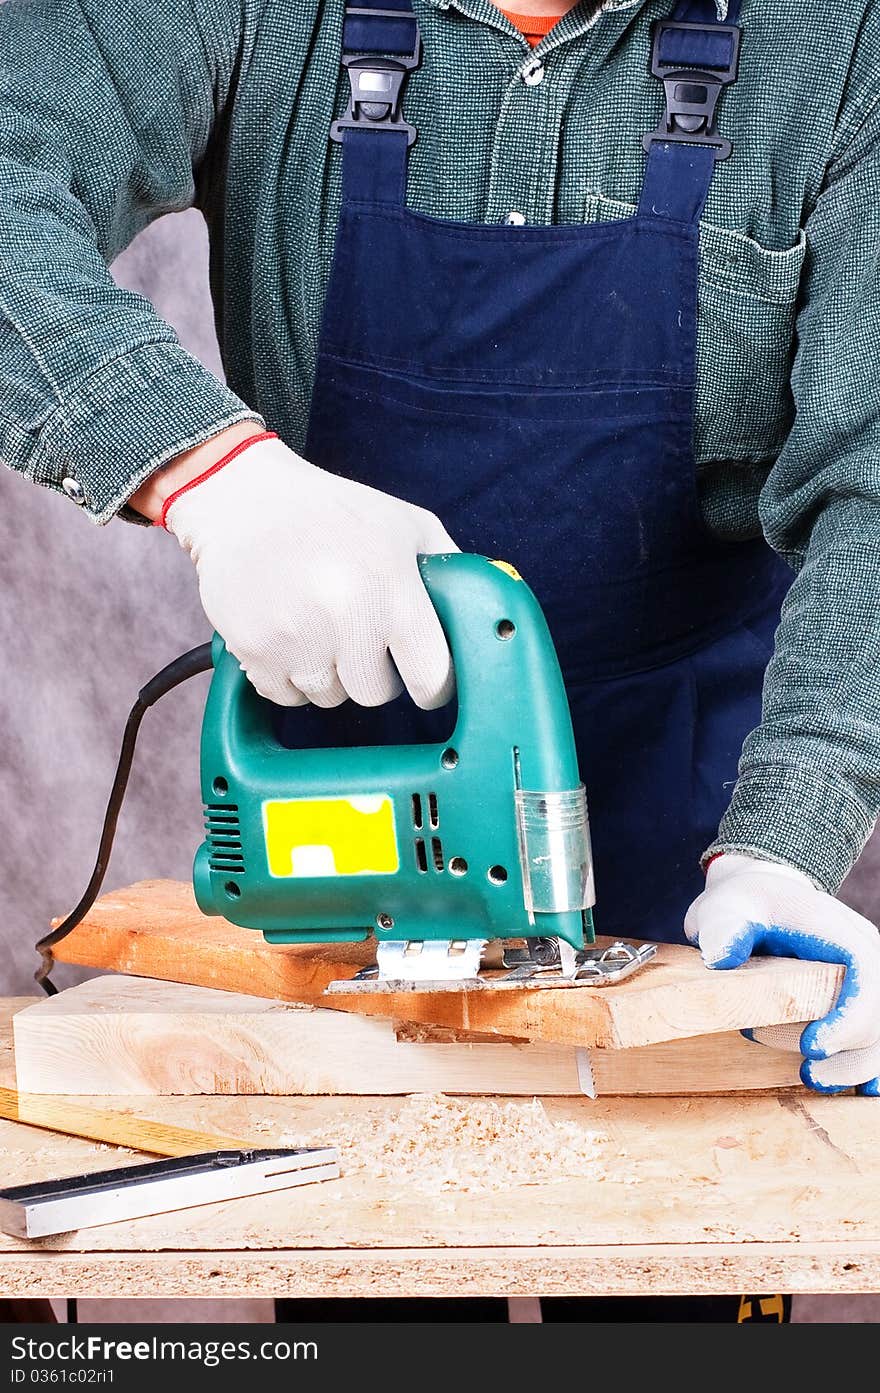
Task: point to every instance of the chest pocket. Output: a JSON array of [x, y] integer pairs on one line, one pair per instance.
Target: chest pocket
[[745, 338]]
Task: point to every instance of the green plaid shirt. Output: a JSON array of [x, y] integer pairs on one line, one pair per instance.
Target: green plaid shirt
[[113, 112]]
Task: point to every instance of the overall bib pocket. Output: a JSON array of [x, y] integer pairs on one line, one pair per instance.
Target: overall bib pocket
[[745, 337]]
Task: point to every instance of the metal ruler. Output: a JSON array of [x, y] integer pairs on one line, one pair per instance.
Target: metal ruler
[[203, 1168], [130, 1192]]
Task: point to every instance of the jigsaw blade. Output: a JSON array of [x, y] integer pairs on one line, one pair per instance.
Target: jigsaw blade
[[591, 967]]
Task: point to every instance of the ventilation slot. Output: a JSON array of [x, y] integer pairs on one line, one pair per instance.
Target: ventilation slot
[[422, 804], [223, 831]]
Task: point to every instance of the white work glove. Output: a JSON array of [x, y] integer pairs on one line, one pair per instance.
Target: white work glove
[[313, 581], [757, 906]]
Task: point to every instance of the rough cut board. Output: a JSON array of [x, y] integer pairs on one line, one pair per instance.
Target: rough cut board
[[756, 1192], [131, 1035], [153, 929]]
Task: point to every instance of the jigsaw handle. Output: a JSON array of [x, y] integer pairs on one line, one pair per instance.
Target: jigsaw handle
[[507, 672], [505, 661]]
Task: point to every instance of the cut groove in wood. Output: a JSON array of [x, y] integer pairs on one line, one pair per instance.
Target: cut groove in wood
[[153, 929], [129, 1035]]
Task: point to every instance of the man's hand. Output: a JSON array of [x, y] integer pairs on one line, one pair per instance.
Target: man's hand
[[752, 906], [313, 580]]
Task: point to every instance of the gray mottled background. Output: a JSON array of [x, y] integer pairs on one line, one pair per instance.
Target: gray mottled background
[[88, 614]]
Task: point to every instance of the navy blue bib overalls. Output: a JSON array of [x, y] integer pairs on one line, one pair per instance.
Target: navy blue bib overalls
[[534, 387]]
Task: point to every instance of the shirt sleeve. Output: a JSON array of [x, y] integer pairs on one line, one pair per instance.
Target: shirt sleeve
[[808, 791], [106, 112]]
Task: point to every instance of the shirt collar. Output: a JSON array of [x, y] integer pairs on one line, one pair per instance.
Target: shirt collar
[[720, 5]]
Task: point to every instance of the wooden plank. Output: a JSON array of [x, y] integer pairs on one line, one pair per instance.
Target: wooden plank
[[88, 1124], [704, 1065], [153, 929], [131, 1035], [598, 1270]]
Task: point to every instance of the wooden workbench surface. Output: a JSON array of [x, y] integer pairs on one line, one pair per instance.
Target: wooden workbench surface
[[689, 1195]]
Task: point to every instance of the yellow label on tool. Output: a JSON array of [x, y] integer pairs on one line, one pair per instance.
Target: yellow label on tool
[[331, 836], [506, 566]]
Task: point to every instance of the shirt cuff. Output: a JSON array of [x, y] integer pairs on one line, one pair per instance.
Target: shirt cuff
[[125, 421], [796, 819]]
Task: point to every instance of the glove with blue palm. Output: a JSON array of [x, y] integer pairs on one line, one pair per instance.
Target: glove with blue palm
[[751, 906]]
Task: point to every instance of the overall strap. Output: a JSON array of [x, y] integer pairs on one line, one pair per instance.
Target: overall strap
[[381, 45], [696, 55]]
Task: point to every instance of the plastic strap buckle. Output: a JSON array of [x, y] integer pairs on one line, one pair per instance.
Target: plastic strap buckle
[[692, 92], [376, 90]]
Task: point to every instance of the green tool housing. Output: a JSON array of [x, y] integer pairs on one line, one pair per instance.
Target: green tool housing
[[484, 836]]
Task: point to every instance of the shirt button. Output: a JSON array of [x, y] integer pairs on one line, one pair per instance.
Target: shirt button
[[514, 219], [534, 73], [74, 490]]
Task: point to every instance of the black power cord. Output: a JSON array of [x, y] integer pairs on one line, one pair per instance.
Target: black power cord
[[180, 670]]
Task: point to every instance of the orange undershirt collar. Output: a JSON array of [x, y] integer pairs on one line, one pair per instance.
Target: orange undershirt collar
[[533, 27]]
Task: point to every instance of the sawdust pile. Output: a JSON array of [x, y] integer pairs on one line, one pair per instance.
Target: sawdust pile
[[434, 1144]]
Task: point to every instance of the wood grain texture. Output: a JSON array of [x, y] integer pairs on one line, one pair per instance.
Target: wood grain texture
[[131, 1035], [153, 929], [89, 1124]]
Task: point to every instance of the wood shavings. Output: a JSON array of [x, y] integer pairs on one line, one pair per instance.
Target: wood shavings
[[436, 1144]]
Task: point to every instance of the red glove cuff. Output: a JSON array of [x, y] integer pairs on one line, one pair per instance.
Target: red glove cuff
[[206, 474]]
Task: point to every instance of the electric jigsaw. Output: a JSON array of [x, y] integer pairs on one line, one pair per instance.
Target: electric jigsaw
[[445, 851], [469, 860]]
